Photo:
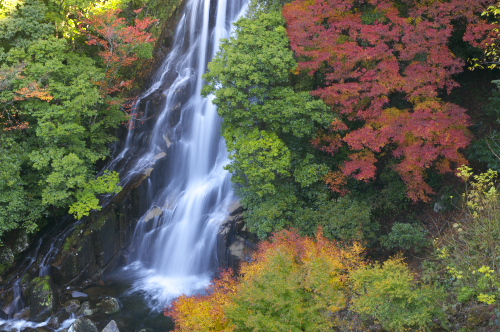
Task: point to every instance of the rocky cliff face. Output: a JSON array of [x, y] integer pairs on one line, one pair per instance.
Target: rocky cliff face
[[234, 243]]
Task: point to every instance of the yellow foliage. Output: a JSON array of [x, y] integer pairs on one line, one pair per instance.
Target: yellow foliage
[[205, 313], [33, 91]]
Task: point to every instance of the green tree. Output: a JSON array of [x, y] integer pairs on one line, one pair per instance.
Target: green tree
[[67, 126], [269, 121], [56, 119], [296, 283], [468, 253]]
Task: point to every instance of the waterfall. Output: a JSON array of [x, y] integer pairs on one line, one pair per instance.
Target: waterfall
[[187, 190]]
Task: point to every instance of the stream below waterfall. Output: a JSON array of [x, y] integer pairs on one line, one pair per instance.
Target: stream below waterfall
[[186, 192]]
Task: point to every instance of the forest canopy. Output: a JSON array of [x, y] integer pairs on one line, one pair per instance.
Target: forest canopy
[[355, 96], [62, 96]]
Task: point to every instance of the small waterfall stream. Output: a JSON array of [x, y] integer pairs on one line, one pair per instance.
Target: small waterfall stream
[[188, 191]]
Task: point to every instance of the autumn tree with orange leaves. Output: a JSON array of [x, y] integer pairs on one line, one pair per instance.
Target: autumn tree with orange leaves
[[292, 283]]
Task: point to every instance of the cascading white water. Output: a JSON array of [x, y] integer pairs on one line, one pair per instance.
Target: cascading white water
[[188, 191]]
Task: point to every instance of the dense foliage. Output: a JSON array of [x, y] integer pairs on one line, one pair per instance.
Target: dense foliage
[[359, 97], [267, 121], [469, 252], [298, 283], [385, 70], [386, 67], [336, 113], [60, 71], [270, 119]]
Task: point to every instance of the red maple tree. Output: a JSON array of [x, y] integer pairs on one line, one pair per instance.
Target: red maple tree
[[386, 66], [120, 43]]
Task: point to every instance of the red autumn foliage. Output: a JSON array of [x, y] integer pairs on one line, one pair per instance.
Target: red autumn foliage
[[120, 43], [386, 64]]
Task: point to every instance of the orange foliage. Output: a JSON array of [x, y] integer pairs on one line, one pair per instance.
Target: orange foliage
[[337, 181], [204, 312], [10, 117], [33, 90], [303, 248]]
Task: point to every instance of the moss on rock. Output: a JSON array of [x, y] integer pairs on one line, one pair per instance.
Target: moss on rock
[[42, 298]]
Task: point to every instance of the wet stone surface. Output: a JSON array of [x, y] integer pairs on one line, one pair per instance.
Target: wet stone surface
[[83, 324], [109, 305], [71, 306], [111, 327]]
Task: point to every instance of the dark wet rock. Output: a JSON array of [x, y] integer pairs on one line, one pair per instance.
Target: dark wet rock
[[85, 310], [3, 328], [77, 262], [96, 248], [44, 329], [6, 255], [78, 295], [111, 327], [109, 305], [98, 292], [7, 296], [42, 298], [3, 315], [113, 233], [158, 322], [83, 324], [24, 314], [26, 329], [21, 243], [71, 306], [125, 323], [56, 320], [234, 243]]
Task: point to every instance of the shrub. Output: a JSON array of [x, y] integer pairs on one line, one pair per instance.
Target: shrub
[[293, 283], [408, 237], [470, 250], [390, 295]]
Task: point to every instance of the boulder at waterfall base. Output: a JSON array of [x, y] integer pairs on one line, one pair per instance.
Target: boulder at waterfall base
[[83, 324], [111, 327], [42, 298], [109, 305]]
